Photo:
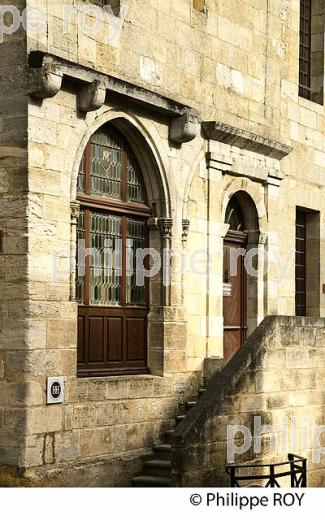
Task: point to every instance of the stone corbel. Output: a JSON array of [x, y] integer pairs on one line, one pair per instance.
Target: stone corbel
[[184, 128], [91, 96], [165, 228], [275, 176], [185, 229], [45, 82]]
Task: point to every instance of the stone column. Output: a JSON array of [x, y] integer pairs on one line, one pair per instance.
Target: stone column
[[75, 212]]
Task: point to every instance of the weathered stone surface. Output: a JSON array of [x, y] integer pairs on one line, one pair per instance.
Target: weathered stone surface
[[173, 64], [253, 388], [91, 97]]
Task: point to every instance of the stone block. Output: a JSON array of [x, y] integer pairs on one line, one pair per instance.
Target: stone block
[[44, 419], [96, 442], [90, 415], [48, 449], [67, 446]]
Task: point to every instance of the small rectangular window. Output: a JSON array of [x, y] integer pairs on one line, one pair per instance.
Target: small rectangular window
[[300, 263], [305, 49], [307, 262], [311, 50], [199, 5]]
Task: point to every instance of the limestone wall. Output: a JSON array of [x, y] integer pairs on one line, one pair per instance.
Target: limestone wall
[[15, 205], [278, 376], [237, 64]]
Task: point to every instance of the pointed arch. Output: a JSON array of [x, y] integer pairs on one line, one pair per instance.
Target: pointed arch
[[149, 152]]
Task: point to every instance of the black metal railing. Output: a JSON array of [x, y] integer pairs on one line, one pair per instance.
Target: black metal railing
[[294, 469]]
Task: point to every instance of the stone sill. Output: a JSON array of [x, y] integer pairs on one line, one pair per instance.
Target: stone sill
[[310, 105], [126, 377]]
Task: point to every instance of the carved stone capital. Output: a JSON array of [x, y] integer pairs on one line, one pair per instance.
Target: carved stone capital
[[45, 83], [185, 229], [75, 212], [91, 96], [165, 227], [184, 128]]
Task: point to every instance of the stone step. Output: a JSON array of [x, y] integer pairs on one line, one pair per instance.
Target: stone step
[[150, 481], [158, 468], [162, 451], [168, 434], [190, 404]]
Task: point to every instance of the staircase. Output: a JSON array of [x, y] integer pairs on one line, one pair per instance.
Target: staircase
[[157, 469]]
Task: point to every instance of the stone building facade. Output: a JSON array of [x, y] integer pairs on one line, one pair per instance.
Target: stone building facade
[[220, 119]]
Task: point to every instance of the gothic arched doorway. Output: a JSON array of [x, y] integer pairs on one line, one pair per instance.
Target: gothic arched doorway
[[234, 280], [112, 226]]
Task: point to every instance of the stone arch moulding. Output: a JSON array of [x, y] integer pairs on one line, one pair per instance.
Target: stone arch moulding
[[196, 160], [256, 193], [154, 162], [148, 147], [251, 198]]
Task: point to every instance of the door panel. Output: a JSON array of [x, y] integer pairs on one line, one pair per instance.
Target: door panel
[[81, 336], [112, 339], [136, 341], [114, 328], [96, 340], [234, 308]]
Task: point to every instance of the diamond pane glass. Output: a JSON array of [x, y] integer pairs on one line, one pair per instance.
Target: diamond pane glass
[[136, 239], [135, 189], [106, 259], [105, 165], [82, 175], [80, 267], [234, 216]]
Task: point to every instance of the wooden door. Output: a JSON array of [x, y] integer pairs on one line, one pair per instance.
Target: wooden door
[[234, 295]]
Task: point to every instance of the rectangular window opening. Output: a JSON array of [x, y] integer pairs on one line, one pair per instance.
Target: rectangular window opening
[[311, 50], [307, 263]]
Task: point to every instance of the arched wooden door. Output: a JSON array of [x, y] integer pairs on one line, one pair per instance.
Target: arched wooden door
[[234, 281], [113, 308]]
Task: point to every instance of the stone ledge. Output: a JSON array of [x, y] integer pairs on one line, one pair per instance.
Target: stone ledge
[[244, 139], [47, 72]]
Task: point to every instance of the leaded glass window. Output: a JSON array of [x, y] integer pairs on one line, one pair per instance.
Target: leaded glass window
[[305, 49], [106, 259], [136, 241], [111, 231], [110, 169], [105, 166], [112, 222]]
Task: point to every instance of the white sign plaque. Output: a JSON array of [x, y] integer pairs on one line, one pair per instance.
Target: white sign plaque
[[227, 289], [55, 390]]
